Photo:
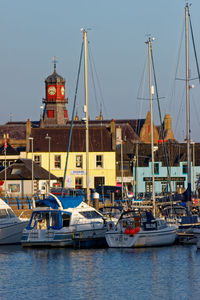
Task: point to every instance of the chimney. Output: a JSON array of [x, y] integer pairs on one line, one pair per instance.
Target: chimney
[[167, 122], [28, 134], [113, 134]]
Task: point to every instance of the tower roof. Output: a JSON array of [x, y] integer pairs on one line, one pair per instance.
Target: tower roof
[[54, 77]]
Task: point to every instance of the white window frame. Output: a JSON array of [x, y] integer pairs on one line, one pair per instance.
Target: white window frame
[[98, 166], [57, 161], [80, 162]]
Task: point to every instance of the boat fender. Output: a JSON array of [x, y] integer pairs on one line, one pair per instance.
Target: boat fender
[[137, 229], [132, 231], [127, 230]]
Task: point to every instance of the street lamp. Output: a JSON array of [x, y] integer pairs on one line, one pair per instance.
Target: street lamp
[[49, 139], [31, 139]]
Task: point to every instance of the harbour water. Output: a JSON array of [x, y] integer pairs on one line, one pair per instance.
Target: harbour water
[[146, 273]]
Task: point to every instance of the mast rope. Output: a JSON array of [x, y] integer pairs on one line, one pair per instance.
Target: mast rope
[[160, 116], [195, 53], [92, 63], [141, 90], [72, 119], [93, 81]]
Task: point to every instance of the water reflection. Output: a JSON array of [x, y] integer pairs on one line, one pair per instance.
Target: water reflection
[[148, 273]]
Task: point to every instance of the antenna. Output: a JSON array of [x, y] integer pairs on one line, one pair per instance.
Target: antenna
[[11, 115]]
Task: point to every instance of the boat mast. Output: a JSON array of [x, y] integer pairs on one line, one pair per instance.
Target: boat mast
[[86, 117], [151, 109], [187, 105]]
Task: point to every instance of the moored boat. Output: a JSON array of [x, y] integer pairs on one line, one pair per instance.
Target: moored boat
[[140, 230], [64, 222], [11, 226]]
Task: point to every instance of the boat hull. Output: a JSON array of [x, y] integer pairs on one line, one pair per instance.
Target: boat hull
[[90, 239], [62, 238], [46, 238], [142, 239], [12, 233]]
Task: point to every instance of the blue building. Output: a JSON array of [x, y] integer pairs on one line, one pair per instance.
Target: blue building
[[137, 166]]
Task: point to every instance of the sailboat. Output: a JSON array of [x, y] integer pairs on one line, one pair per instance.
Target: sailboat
[[66, 220], [143, 229], [189, 229]]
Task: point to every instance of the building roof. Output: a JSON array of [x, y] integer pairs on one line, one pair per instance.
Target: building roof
[[22, 169], [99, 139], [177, 152], [15, 130], [136, 125], [54, 78], [9, 150]]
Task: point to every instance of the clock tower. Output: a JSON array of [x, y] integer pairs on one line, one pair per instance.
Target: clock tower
[[55, 112]]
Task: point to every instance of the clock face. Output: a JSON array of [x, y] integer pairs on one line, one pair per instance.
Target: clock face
[[52, 90], [62, 90]]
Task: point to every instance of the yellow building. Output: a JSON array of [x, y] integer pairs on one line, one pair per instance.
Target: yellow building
[[50, 144]]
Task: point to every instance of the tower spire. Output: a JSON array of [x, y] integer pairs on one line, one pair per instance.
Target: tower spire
[[54, 62]]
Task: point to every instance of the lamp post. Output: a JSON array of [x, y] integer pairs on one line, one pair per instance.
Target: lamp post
[[31, 139], [47, 137]]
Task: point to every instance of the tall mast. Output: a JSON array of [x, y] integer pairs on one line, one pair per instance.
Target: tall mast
[[86, 116], [151, 109], [187, 103]]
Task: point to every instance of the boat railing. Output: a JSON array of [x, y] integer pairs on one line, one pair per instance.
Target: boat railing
[[19, 203]]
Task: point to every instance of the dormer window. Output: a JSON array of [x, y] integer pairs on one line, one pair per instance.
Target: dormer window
[[16, 171]]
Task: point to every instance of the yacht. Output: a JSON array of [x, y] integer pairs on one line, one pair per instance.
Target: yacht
[[64, 222], [11, 226]]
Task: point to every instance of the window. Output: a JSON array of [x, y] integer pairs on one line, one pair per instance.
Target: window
[[185, 169], [37, 159], [50, 114], [66, 220], [79, 161], [164, 187], [14, 188], [148, 187], [124, 167], [55, 220], [78, 183], [16, 171], [90, 214], [57, 161], [3, 214], [179, 185], [99, 181], [11, 213], [99, 161], [156, 168]]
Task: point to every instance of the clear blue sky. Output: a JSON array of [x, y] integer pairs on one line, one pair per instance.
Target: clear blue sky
[[32, 32]]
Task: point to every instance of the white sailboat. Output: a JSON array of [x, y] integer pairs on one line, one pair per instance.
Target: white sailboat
[[143, 229], [66, 220]]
